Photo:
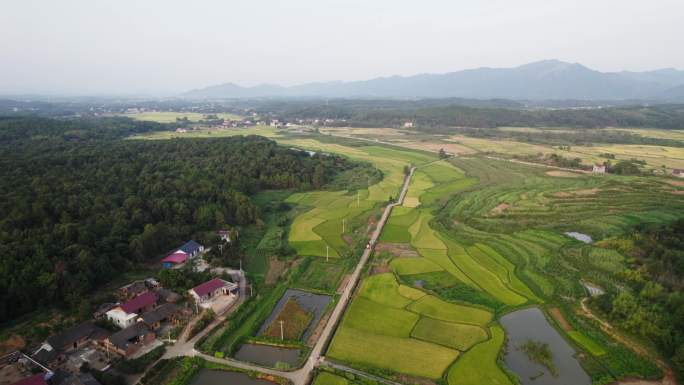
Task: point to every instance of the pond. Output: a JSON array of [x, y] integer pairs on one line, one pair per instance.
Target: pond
[[315, 303], [213, 377], [579, 236], [267, 355], [531, 325]]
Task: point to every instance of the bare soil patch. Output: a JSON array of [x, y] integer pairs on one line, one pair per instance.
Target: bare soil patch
[[15, 342], [577, 193], [678, 183], [563, 174], [347, 239], [276, 268], [397, 249], [500, 208], [558, 316], [678, 192]]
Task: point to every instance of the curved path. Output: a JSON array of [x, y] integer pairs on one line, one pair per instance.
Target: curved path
[[302, 375]]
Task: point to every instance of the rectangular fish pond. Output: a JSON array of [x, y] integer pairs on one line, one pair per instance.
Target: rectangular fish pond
[[530, 325], [300, 313]]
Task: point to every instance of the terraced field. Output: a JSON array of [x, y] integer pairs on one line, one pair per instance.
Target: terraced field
[[434, 322], [318, 231], [489, 237]]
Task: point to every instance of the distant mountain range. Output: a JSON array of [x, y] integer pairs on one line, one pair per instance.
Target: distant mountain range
[[543, 80]]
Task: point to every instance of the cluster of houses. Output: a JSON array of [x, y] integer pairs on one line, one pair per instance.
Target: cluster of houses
[[143, 316]]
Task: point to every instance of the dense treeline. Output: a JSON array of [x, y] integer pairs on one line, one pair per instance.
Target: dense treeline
[[17, 131], [430, 114], [652, 306], [77, 213]]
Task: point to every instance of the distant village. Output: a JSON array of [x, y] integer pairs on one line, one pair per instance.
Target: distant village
[[145, 316]]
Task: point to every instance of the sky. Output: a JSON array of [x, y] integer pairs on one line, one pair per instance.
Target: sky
[[164, 47]]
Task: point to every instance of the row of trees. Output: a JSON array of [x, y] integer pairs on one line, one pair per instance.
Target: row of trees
[[78, 213]]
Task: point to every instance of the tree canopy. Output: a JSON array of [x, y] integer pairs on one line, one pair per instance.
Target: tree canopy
[[78, 212]]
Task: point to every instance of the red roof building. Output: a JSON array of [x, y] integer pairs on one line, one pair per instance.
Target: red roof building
[[144, 301], [175, 259], [209, 287], [205, 293]]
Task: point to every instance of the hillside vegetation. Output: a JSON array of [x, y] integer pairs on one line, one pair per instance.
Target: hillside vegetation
[[80, 206]]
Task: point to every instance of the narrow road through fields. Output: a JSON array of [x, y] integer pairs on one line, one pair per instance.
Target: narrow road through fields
[[302, 375]]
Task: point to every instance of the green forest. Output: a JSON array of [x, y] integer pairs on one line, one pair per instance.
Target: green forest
[[82, 205], [653, 306]]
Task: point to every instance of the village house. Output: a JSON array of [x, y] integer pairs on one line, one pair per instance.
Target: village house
[[168, 296], [599, 169], [167, 312], [207, 292], [56, 346], [102, 310], [175, 259], [128, 341], [408, 124], [679, 173], [180, 130], [191, 248], [131, 290], [126, 314]]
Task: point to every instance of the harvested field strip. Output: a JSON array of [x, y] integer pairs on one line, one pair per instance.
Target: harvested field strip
[[453, 335], [434, 307], [478, 366]]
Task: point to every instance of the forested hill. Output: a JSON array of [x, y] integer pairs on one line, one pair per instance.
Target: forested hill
[[77, 212]]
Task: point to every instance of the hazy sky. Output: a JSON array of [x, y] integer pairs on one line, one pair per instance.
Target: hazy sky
[[168, 46]]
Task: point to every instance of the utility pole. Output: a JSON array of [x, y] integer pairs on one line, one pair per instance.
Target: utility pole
[[327, 252], [343, 220], [282, 333], [358, 199]]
